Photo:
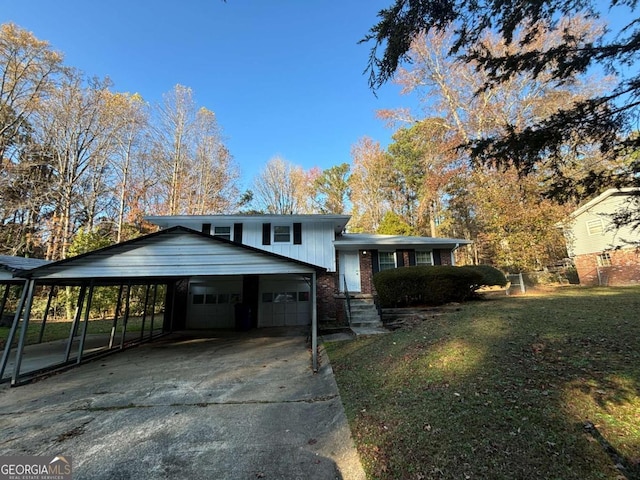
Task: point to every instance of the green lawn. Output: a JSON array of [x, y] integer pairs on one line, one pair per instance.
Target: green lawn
[[501, 389], [61, 329]]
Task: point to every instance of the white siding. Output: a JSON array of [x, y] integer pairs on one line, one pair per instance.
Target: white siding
[[581, 242], [175, 254], [317, 239]]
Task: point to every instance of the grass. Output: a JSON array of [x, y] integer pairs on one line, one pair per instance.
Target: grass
[[57, 330], [536, 386]]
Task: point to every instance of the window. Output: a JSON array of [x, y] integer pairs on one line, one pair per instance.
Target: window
[[386, 260], [210, 299], [424, 258], [604, 259], [222, 232], [595, 227], [281, 234]]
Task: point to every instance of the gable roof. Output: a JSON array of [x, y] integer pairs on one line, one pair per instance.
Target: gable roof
[[373, 241], [174, 252], [603, 196]]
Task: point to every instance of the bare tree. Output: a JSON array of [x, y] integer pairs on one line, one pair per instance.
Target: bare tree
[[133, 115], [75, 128], [368, 185], [214, 186], [282, 188], [29, 69]]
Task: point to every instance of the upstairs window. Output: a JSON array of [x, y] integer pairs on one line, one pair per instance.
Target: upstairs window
[[281, 234], [604, 259], [424, 258], [223, 232], [595, 227], [386, 260]]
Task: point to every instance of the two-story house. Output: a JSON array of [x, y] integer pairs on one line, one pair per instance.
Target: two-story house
[[344, 263], [602, 253]]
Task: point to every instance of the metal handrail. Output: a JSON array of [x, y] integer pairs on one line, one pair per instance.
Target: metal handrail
[[348, 299]]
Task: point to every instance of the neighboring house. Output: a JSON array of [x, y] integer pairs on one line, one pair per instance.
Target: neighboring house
[[602, 253], [236, 271]]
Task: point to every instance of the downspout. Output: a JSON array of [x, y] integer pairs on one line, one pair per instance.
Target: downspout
[[453, 259]]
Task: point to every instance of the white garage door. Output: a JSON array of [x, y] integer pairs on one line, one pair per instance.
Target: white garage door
[[284, 301], [212, 301]]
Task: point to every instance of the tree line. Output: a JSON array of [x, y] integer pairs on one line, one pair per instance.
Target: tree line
[[77, 156], [81, 164]]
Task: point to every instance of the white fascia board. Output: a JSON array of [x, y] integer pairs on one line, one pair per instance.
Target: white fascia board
[[195, 221], [351, 241], [603, 196]]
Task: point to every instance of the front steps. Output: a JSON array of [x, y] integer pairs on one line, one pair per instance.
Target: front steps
[[365, 319]]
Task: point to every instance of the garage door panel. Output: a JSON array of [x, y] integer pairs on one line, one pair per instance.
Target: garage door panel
[[284, 302], [212, 302]]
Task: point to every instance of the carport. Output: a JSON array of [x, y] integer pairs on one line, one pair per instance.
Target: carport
[[201, 279]]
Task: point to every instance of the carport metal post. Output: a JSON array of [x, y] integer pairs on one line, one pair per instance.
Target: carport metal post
[[173, 304], [5, 296], [115, 317], [125, 320], [14, 327], [314, 324], [144, 310], [23, 331], [76, 319], [87, 311], [46, 314], [153, 309]]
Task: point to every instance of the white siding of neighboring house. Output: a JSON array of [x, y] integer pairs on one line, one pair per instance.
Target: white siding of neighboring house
[[583, 243]]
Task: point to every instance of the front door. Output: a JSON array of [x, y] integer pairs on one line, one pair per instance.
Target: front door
[[350, 271]]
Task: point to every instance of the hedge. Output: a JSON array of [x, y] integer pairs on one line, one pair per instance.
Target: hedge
[[426, 285], [491, 276]]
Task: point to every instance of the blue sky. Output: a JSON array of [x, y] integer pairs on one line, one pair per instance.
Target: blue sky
[[284, 77]]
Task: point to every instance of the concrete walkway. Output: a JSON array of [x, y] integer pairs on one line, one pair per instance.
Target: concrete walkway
[[244, 406]]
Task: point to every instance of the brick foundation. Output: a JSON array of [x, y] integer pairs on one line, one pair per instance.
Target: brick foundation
[[624, 269]]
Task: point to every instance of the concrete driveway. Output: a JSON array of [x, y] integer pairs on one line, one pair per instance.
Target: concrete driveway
[[245, 406]]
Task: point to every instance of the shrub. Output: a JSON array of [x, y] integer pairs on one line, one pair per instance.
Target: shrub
[[491, 276], [434, 285]]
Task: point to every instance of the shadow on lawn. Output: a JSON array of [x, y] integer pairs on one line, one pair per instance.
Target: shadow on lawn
[[503, 389]]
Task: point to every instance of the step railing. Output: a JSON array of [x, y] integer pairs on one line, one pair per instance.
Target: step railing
[[347, 300]]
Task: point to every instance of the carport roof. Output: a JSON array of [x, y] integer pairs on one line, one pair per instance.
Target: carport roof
[[174, 252], [10, 267]]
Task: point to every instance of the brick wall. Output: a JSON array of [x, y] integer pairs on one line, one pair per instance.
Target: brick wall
[[624, 269], [366, 272], [445, 257], [326, 291]]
